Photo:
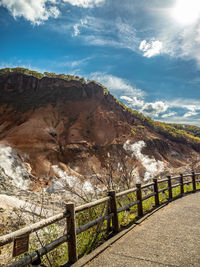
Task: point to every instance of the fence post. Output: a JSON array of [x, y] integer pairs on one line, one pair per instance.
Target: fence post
[[71, 231], [156, 192], [139, 198], [181, 184], [113, 209], [170, 187], [194, 181]]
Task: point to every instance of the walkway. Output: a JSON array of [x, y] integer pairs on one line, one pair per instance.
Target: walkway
[[170, 237]]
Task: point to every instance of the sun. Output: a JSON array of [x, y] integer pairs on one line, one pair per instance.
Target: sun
[[186, 12]]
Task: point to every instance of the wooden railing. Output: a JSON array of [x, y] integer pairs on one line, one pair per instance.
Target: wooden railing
[[153, 190]]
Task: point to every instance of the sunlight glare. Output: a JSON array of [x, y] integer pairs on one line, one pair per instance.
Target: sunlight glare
[[186, 12]]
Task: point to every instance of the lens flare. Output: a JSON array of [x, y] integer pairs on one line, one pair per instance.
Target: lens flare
[[186, 12]]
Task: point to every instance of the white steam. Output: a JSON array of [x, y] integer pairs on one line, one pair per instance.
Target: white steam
[[152, 166], [70, 183], [87, 187], [12, 167], [64, 180]]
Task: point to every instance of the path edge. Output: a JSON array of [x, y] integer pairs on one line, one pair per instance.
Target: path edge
[[87, 258]]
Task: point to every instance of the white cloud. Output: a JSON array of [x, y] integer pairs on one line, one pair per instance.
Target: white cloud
[[77, 63], [192, 105], [182, 120], [115, 84], [38, 11], [136, 102], [135, 98], [32, 10], [180, 40], [154, 108], [114, 33], [170, 114], [127, 98], [131, 95], [76, 30], [77, 26], [190, 113], [150, 49], [148, 108], [85, 3]]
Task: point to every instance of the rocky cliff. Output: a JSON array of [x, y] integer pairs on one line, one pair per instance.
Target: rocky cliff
[[57, 128]]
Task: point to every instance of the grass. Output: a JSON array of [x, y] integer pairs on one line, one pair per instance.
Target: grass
[[90, 239], [126, 217]]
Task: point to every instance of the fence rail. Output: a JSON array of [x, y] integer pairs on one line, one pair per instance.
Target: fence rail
[[69, 214]]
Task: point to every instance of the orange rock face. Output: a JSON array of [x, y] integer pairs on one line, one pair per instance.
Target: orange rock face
[[52, 121]]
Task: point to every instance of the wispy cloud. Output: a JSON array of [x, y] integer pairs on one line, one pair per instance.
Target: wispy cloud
[[176, 110], [70, 64], [190, 113], [160, 36], [16, 63], [187, 103], [77, 27], [99, 32], [180, 40], [182, 120], [117, 84], [170, 114], [130, 95], [76, 30], [73, 66], [85, 3]]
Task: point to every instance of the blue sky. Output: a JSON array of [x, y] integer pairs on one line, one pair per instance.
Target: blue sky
[[147, 53]]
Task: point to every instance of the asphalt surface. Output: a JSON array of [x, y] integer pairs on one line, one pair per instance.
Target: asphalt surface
[[169, 237]]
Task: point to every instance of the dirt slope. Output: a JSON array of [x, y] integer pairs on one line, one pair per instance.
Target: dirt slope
[[77, 126]]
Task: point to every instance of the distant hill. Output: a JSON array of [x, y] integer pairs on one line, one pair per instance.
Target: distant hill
[[62, 120], [190, 129]]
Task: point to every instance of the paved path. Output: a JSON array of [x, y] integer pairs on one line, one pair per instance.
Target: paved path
[[170, 237]]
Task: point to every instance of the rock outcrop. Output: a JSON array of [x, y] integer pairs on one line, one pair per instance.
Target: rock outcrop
[[51, 121]]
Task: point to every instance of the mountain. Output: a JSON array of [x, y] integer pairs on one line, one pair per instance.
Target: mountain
[[61, 126]]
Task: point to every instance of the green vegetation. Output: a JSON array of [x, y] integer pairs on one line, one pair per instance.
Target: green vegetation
[[93, 237], [133, 130], [135, 113], [175, 132], [42, 75], [105, 90], [22, 70], [190, 129], [171, 132]]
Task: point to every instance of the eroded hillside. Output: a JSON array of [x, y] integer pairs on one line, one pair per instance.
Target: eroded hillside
[[58, 128]]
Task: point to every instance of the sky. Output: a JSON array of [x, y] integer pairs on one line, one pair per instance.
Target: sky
[[147, 53]]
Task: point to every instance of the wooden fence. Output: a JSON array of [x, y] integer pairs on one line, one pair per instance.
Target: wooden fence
[[112, 214]]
